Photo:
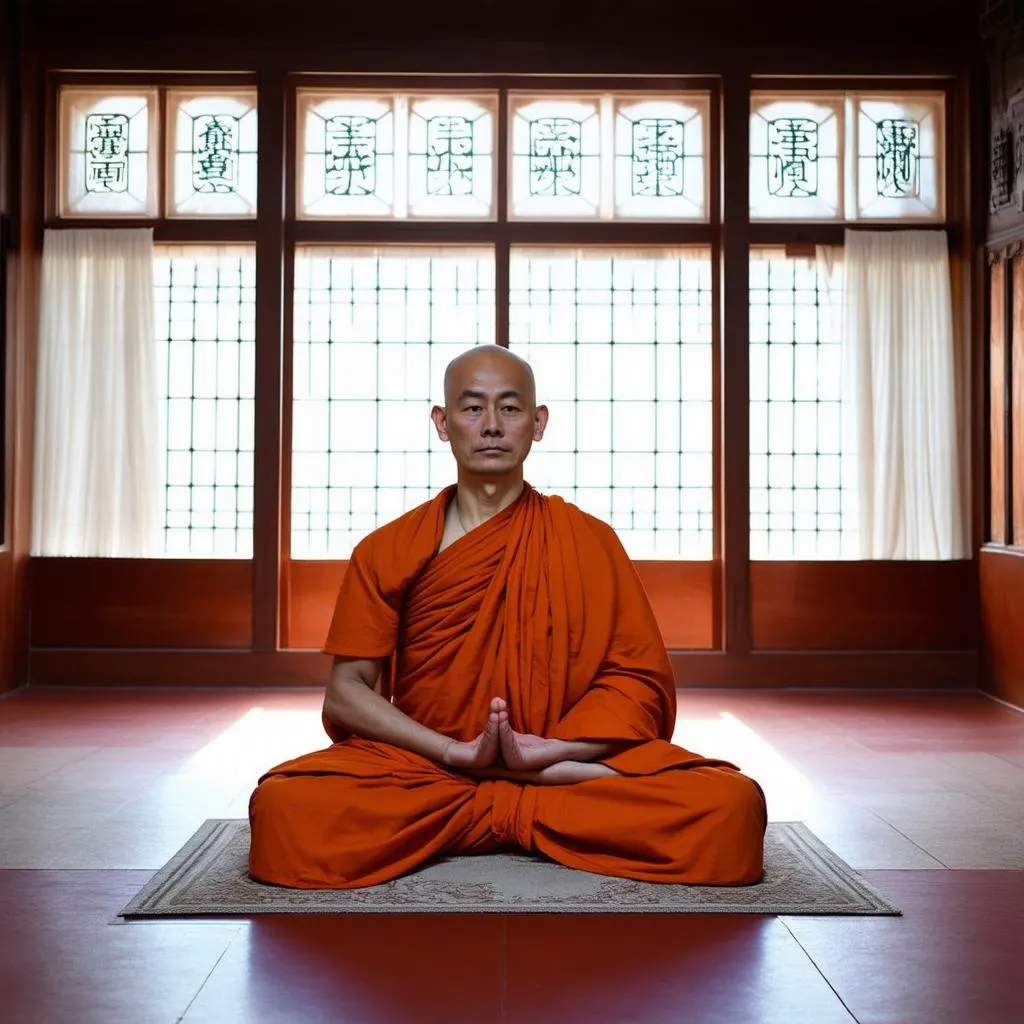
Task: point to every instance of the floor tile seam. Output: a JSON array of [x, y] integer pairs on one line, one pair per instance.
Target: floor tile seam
[[205, 981], [900, 832], [821, 973]]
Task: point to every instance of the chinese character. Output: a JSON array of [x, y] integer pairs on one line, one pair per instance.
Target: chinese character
[[351, 147], [449, 156], [657, 157], [215, 153], [896, 158], [106, 146], [555, 156], [1004, 174], [793, 157]]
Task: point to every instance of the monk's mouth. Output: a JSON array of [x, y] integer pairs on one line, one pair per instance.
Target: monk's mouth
[[493, 451]]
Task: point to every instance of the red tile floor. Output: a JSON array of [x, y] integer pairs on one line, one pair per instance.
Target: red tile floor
[[922, 793]]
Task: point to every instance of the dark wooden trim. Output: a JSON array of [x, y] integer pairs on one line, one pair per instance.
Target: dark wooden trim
[[386, 56], [853, 83], [715, 146], [118, 79], [1008, 299], [445, 82], [827, 670], [502, 253], [171, 231], [267, 527], [769, 233], [517, 232], [976, 132], [735, 365], [943, 670], [177, 668]]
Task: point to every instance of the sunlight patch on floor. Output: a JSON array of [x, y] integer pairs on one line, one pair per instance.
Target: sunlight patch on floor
[[790, 794]]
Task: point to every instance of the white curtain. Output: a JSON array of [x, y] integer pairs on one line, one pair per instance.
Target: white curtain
[[900, 395], [98, 453]]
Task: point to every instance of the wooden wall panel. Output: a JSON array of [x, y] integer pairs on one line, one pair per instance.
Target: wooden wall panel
[[127, 603], [682, 594], [864, 606], [1002, 618], [8, 680], [243, 669], [997, 404], [1017, 402], [928, 670]]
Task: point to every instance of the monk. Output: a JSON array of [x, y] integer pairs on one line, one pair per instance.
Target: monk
[[499, 681]]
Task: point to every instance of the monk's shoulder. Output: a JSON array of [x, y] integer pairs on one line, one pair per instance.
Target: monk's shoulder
[[396, 537], [598, 528]]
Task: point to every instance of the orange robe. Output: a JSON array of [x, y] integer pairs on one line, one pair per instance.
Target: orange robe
[[542, 606]]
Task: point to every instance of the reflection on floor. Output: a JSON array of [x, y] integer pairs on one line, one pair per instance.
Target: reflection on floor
[[923, 793]]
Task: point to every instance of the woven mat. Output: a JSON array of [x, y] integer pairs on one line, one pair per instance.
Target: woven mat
[[208, 877]]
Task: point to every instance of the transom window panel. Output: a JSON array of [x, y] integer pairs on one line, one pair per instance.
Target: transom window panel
[[375, 155], [609, 156], [205, 330], [107, 155], [899, 142], [795, 158], [213, 162], [802, 491], [847, 156], [620, 341], [374, 331]]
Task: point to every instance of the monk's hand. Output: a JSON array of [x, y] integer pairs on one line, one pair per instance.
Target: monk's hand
[[564, 773], [482, 751], [524, 752]]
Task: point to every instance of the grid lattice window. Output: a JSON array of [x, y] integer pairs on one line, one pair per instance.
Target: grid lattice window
[[801, 491], [374, 331], [621, 346], [205, 329]]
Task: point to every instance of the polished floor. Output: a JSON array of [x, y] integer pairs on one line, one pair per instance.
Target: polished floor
[[922, 793]]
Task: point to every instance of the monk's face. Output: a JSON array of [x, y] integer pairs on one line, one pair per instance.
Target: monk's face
[[491, 417]]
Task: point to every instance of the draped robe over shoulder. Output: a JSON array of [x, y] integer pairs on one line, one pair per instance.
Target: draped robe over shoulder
[[539, 605]]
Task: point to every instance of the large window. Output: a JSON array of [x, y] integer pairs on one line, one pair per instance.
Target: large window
[[205, 313], [374, 330], [802, 501], [579, 226], [621, 344]]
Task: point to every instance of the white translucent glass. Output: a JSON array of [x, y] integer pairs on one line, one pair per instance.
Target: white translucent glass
[[205, 336], [213, 163], [898, 158], [451, 157], [660, 155], [801, 507], [374, 330], [347, 156], [556, 157], [796, 158], [629, 390], [107, 148]]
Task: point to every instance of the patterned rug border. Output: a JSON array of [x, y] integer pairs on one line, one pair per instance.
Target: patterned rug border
[[167, 894]]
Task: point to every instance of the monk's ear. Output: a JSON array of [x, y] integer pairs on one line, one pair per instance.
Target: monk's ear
[[440, 422], [540, 422]]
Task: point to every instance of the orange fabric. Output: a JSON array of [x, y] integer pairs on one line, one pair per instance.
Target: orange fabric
[[539, 605]]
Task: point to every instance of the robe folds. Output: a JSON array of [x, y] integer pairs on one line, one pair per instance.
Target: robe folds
[[539, 605]]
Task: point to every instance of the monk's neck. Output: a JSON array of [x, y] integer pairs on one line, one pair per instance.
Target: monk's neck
[[477, 501]]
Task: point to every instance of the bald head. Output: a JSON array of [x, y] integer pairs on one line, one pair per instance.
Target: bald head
[[490, 360], [490, 415]]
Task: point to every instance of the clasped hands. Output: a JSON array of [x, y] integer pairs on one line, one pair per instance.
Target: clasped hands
[[499, 752]]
